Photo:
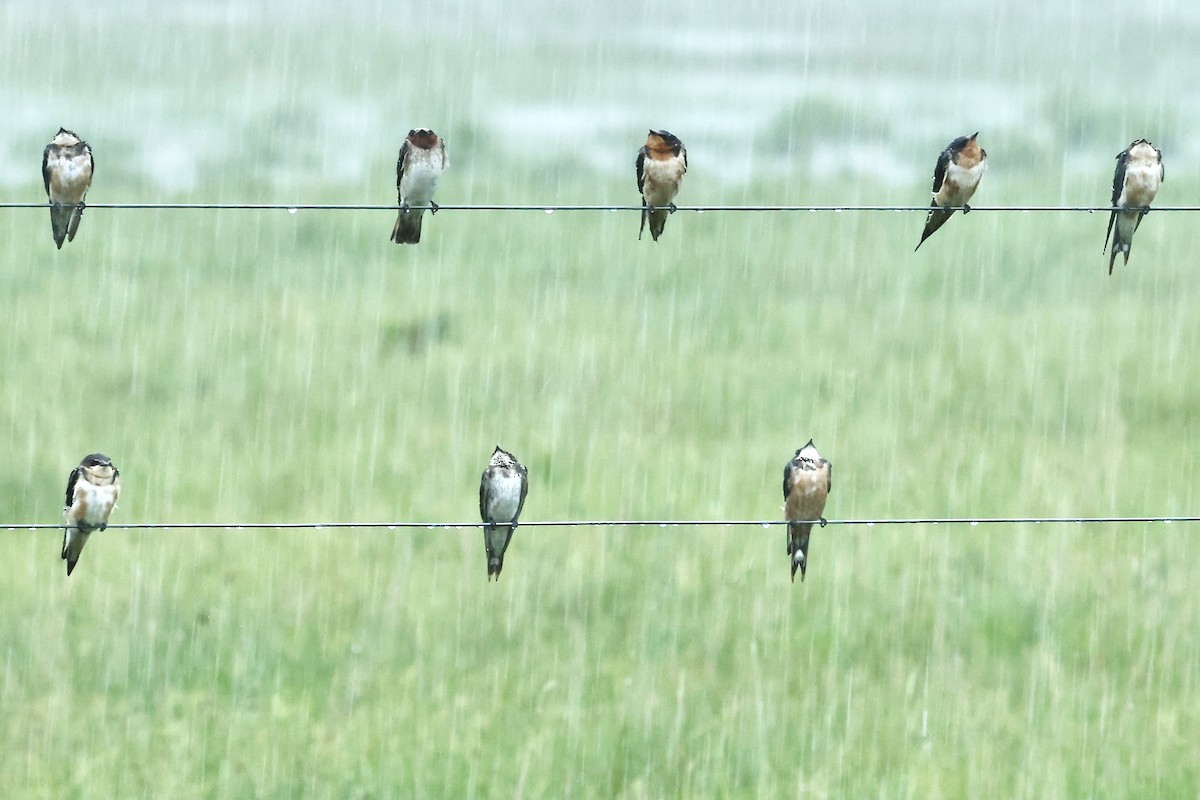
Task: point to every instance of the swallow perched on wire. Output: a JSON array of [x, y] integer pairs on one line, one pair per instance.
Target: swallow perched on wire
[[421, 163], [955, 178], [1139, 172], [661, 163], [807, 479], [502, 493], [92, 491], [67, 167]]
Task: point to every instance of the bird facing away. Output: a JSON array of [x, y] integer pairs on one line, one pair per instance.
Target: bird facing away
[[67, 167], [421, 163], [807, 479], [661, 163], [1139, 172], [502, 493], [955, 178], [92, 491]]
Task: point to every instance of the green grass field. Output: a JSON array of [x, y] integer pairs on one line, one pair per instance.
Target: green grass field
[[257, 366]]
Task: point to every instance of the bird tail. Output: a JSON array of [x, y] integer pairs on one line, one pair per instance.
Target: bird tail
[[1117, 247], [658, 221], [797, 548], [407, 229], [495, 541], [63, 222], [73, 541], [1108, 234], [937, 218], [76, 217], [1122, 239]]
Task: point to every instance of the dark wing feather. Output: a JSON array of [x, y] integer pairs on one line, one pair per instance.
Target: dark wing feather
[[401, 163], [683, 152], [524, 489], [641, 171], [1162, 173], [1119, 176], [71, 486], [1118, 187], [828, 475], [787, 478], [46, 169], [483, 484], [939, 169]]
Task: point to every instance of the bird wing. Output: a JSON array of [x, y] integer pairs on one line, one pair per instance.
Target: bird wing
[[46, 168], [483, 487], [401, 164], [828, 475], [1118, 187], [1119, 176], [524, 488], [641, 168], [939, 169], [683, 152], [787, 478], [71, 481]]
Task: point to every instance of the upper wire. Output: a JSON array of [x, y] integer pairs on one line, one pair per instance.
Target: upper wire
[[623, 523]]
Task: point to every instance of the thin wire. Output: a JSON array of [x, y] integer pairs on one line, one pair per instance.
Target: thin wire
[[624, 523], [548, 208]]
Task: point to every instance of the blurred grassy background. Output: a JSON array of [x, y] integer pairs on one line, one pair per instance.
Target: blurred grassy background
[[261, 366]]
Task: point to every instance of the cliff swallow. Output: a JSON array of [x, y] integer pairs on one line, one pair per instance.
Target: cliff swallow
[[1139, 172], [660, 166], [92, 492], [67, 166], [955, 178], [502, 493], [807, 479], [421, 163]]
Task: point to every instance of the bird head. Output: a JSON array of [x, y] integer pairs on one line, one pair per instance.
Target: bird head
[[422, 138], [99, 468], [500, 458], [66, 138], [807, 457], [664, 140]]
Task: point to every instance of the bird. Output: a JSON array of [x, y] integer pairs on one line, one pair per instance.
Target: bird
[[661, 163], [421, 163], [807, 479], [67, 167], [955, 178], [1139, 173], [502, 491], [92, 491]]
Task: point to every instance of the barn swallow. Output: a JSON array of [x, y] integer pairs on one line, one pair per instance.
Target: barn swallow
[[807, 479], [1139, 172], [502, 493], [660, 166], [421, 163], [67, 167], [92, 492], [955, 178]]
